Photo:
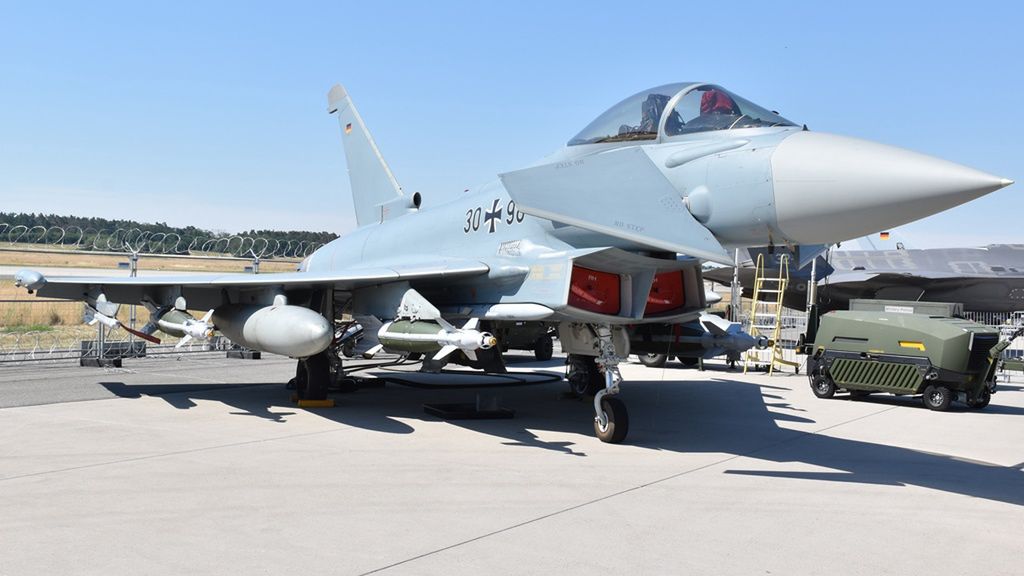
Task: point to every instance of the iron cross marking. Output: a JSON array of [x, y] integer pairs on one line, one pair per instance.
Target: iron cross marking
[[493, 216]]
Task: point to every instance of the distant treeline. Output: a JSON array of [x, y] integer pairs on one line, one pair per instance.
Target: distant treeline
[[92, 233]]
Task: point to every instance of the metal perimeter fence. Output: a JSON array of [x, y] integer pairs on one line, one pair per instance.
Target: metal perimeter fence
[[44, 346], [44, 330], [147, 242]]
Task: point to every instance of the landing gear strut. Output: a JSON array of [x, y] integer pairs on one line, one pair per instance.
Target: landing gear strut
[[611, 420]]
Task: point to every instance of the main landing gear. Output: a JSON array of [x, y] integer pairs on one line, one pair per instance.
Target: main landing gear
[[600, 376], [312, 378]]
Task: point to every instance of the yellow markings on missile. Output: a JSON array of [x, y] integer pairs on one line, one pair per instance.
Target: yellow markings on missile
[[329, 403], [912, 344]]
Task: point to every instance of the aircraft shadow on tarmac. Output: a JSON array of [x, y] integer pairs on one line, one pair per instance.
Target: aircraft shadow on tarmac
[[716, 415]]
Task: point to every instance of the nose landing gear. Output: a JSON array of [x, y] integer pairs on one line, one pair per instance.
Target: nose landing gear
[[611, 420]]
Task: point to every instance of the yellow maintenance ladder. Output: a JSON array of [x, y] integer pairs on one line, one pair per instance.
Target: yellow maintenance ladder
[[765, 317]]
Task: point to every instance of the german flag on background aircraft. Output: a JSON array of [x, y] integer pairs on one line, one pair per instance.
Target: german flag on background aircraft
[[883, 235]]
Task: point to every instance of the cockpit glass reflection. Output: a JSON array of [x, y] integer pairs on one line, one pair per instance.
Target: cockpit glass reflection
[[709, 107], [635, 118], [703, 108]]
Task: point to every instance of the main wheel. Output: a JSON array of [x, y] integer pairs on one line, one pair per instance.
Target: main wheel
[[543, 348], [823, 386], [299, 381], [616, 418], [653, 360], [318, 378], [937, 397], [982, 400], [585, 379]]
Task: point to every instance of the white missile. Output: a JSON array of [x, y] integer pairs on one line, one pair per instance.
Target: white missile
[[92, 317], [198, 329]]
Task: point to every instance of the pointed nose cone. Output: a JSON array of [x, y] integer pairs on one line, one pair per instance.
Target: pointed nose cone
[[831, 188]]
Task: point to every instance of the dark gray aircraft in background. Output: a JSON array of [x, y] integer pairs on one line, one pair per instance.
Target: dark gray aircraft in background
[[986, 279], [586, 240]]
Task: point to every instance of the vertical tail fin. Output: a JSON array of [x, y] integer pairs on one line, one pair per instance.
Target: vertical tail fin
[[373, 184]]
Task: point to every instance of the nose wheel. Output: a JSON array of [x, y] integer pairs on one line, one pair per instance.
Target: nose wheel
[[612, 421]]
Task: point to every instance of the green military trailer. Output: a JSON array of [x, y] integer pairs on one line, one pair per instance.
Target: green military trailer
[[939, 357]]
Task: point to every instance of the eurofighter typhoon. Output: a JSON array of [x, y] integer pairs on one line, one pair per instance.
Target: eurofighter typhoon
[[602, 237]]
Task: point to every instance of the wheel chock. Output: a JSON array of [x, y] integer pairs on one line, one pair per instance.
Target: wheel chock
[[328, 403]]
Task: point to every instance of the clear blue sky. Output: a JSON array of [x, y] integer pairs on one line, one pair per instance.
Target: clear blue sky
[[213, 113]]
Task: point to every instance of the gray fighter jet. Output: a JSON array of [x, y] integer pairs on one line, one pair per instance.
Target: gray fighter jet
[[986, 279], [587, 239]]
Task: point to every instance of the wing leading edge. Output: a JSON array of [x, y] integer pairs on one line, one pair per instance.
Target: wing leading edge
[[128, 290]]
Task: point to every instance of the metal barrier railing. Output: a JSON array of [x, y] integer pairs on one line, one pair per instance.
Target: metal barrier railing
[[148, 242], [38, 346]]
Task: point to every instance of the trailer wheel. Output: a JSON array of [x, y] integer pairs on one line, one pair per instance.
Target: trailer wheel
[[653, 360], [823, 386], [937, 397], [982, 400]]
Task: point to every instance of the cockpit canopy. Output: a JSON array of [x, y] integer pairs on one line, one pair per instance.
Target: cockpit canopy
[[695, 108]]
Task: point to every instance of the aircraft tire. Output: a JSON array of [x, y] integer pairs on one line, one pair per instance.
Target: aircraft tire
[[653, 360], [937, 397], [823, 386], [615, 430], [585, 379], [299, 381], [318, 378], [543, 348]]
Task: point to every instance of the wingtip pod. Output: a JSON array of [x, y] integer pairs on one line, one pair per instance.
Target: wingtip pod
[[29, 279]]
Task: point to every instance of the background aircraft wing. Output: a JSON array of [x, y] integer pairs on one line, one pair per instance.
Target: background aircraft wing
[[894, 277]]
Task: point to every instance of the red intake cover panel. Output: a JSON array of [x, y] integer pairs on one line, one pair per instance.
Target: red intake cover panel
[[595, 291], [667, 293]]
